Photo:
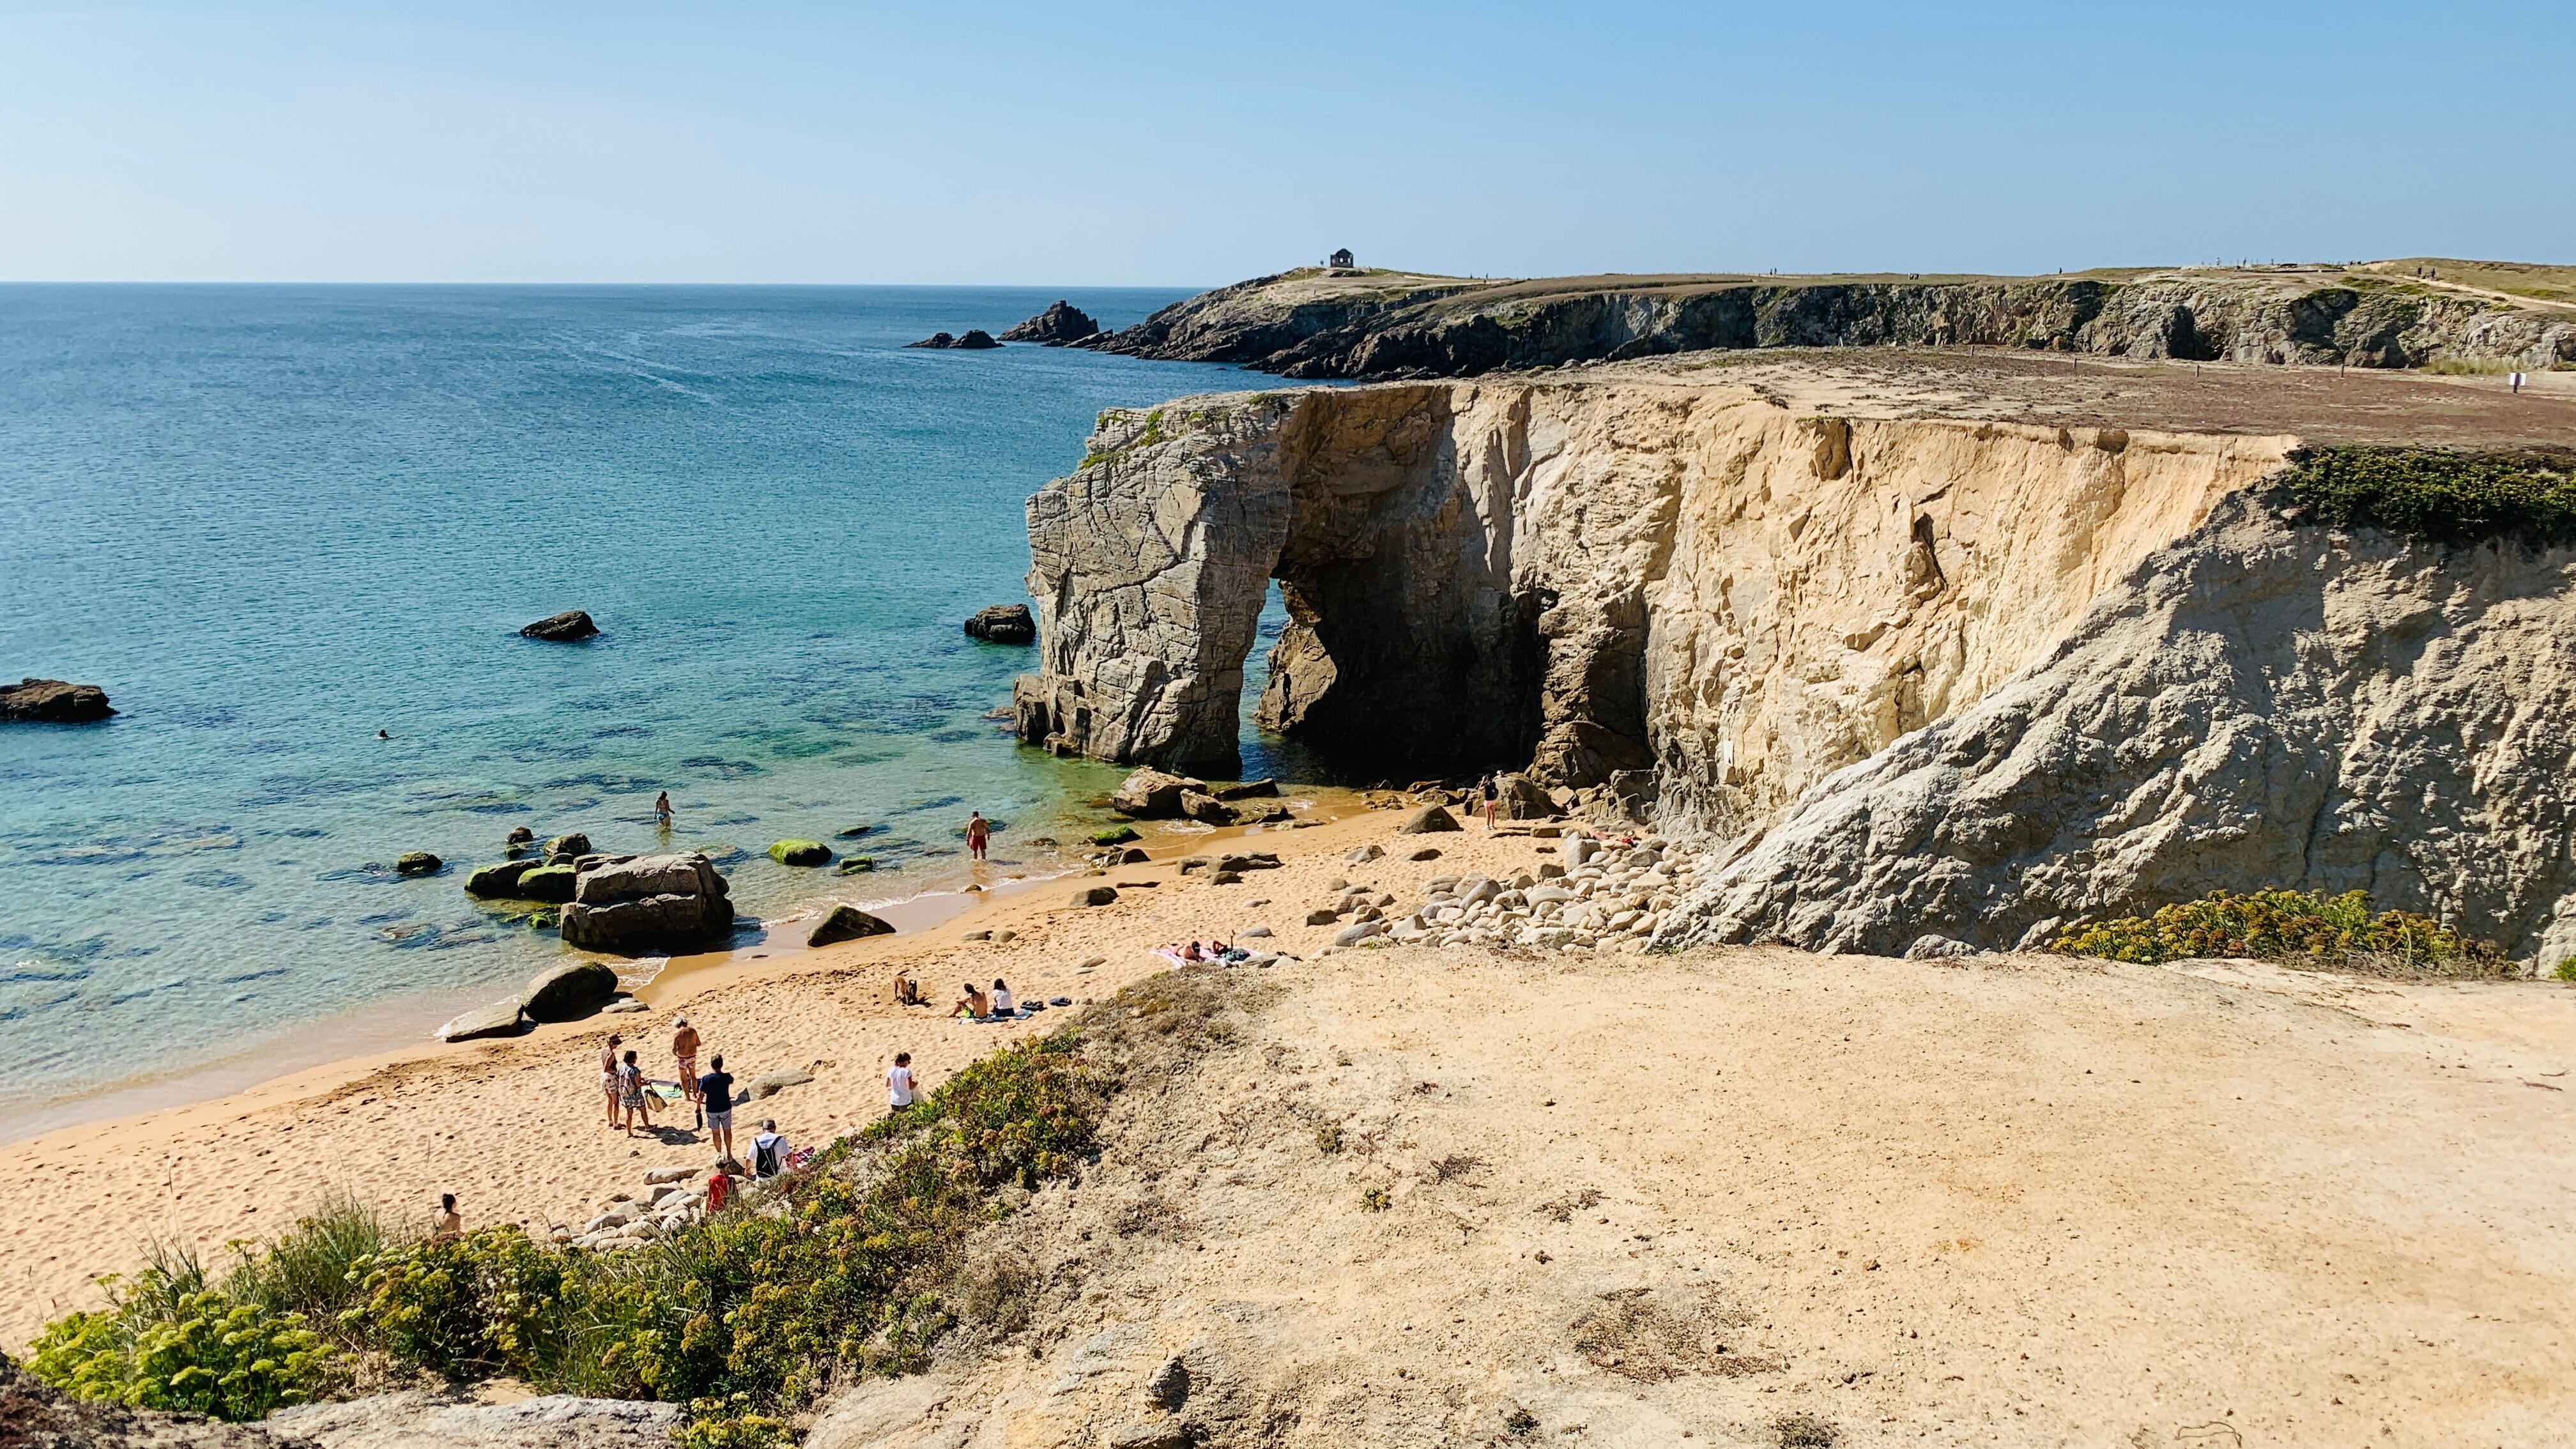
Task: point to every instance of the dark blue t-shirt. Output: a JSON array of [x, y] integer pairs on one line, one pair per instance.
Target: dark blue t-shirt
[[717, 1088]]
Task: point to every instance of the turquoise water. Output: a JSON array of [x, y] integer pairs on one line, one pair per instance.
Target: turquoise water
[[272, 521]]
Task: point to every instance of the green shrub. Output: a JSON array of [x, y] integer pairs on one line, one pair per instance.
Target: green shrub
[[2283, 925], [2435, 494], [308, 1270], [163, 1343], [466, 1307]]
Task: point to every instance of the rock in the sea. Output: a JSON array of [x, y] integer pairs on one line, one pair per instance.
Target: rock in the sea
[[1154, 795], [546, 883], [853, 833], [500, 1018], [563, 628], [1428, 820], [573, 989], [1206, 809], [52, 701], [1249, 789], [1118, 835], [575, 844], [1003, 624], [1095, 896], [847, 923], [855, 865], [417, 862], [519, 835], [975, 340], [649, 903], [1056, 326], [500, 881], [800, 852]]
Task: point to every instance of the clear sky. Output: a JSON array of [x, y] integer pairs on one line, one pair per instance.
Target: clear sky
[[1187, 144]]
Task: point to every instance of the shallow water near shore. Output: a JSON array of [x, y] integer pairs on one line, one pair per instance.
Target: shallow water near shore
[[272, 521]]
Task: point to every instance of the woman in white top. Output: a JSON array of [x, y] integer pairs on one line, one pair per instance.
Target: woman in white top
[[1001, 998], [899, 1081]]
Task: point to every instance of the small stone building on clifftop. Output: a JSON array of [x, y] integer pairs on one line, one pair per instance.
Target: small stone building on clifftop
[[1340, 258]]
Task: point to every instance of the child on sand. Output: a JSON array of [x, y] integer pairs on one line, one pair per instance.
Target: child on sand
[[715, 1094], [632, 1099], [899, 1081]]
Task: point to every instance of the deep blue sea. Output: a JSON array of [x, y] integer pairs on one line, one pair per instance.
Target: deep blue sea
[[271, 521]]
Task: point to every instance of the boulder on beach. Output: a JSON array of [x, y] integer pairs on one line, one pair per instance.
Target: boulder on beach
[[770, 1084], [1249, 789], [561, 993], [1206, 809], [975, 340], [847, 923], [1003, 624], [1150, 794], [52, 701], [800, 852], [563, 628], [1056, 326], [639, 904], [417, 862], [500, 1018], [1428, 819], [1095, 896], [1518, 797]]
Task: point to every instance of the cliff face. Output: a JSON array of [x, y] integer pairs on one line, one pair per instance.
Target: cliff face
[[1311, 325], [1939, 683]]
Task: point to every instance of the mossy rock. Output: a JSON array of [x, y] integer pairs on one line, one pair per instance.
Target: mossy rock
[[573, 844], [547, 883], [800, 852], [855, 864], [1118, 836], [417, 862], [501, 881], [542, 920]]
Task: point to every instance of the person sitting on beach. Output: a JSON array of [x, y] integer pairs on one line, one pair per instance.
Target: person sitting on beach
[[1191, 952], [972, 1003], [450, 1224], [632, 1099], [608, 1074], [1002, 1003], [684, 1052], [899, 1081], [715, 1095], [768, 1150]]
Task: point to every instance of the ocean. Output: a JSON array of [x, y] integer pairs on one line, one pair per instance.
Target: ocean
[[272, 521]]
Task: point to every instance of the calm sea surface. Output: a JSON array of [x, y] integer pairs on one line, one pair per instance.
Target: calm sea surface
[[273, 521]]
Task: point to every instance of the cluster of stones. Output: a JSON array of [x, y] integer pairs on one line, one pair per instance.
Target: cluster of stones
[[1154, 795], [668, 1203], [623, 903], [1609, 896]]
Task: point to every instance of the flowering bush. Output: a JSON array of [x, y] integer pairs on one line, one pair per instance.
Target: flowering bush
[[169, 1344], [2282, 925]]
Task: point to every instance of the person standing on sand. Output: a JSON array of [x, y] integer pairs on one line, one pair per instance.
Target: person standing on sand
[[684, 1053], [631, 1096], [608, 1074], [1491, 792], [899, 1082], [450, 1225], [979, 833], [662, 810], [715, 1094]]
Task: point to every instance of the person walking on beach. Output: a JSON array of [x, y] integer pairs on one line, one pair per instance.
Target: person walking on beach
[[450, 1225], [768, 1150], [715, 1095], [632, 1099], [684, 1054], [979, 833], [608, 1074], [899, 1082], [662, 810], [1491, 793]]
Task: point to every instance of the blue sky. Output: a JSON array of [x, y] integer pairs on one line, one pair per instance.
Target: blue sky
[[1110, 144]]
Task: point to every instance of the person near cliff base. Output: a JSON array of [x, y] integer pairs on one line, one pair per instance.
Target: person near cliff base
[[899, 1081], [979, 833], [684, 1054], [715, 1095], [768, 1150], [1492, 793]]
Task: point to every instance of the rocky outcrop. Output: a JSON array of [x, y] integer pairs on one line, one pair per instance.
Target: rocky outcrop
[[573, 989], [636, 905], [975, 340], [2261, 703], [1154, 795], [1056, 326], [52, 701], [33, 1415], [421, 1419], [564, 628], [417, 862], [1312, 323], [847, 923], [1003, 624]]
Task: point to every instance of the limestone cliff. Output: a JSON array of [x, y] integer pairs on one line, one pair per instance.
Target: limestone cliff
[[1936, 681], [1313, 323]]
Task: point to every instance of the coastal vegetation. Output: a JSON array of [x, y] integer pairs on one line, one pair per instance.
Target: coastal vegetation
[[854, 1266], [2438, 494], [2299, 927]]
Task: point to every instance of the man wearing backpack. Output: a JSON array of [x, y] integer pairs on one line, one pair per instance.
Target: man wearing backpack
[[768, 1150]]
